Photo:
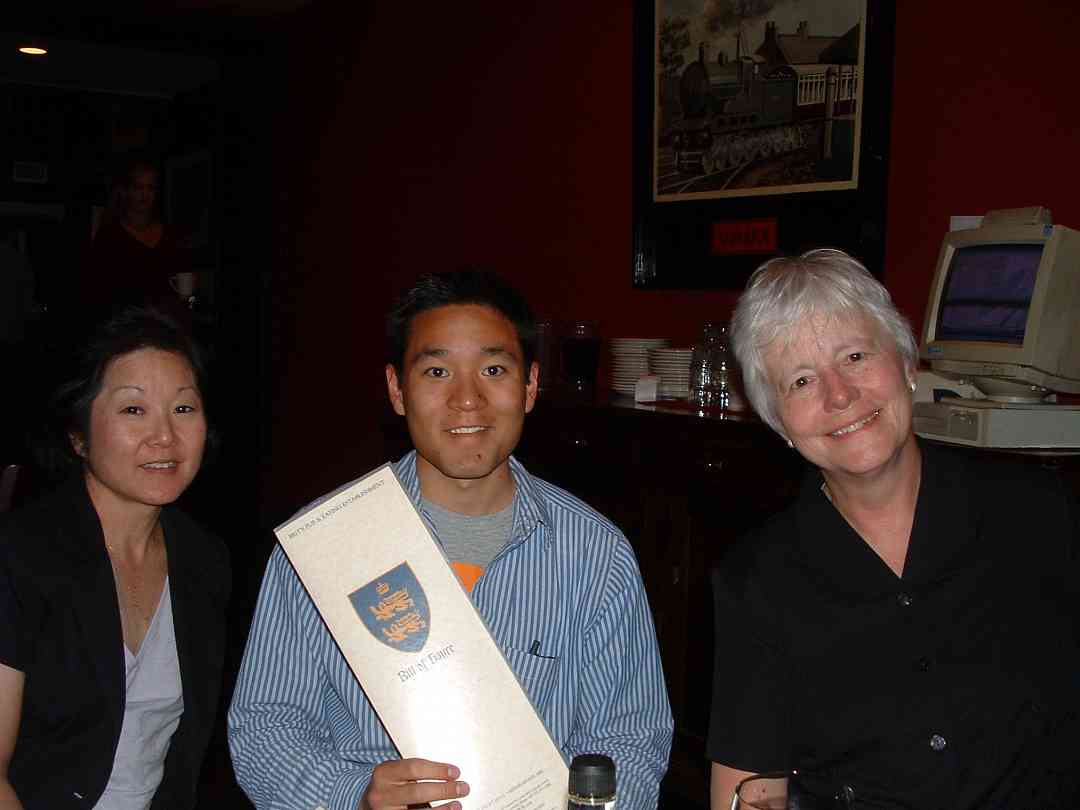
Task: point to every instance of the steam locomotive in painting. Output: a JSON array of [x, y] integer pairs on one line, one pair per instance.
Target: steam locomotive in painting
[[762, 105]]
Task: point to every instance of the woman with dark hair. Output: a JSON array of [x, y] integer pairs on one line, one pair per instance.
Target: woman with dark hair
[[112, 601], [134, 257]]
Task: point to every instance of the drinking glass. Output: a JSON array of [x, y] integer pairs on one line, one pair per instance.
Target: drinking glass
[[547, 354], [783, 791], [766, 791], [580, 356], [183, 284]]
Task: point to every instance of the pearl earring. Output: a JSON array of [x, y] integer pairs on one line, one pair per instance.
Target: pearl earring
[[913, 385], [790, 444]]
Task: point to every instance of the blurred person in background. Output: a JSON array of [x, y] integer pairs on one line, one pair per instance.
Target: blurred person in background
[[134, 255]]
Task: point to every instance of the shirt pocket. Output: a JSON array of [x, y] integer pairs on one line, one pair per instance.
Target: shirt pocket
[[536, 674]]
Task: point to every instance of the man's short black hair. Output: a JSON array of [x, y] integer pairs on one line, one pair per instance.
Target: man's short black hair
[[468, 286]]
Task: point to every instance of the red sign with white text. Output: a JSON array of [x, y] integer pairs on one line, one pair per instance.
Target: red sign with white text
[[742, 236]]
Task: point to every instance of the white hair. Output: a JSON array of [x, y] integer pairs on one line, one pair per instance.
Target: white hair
[[787, 292]]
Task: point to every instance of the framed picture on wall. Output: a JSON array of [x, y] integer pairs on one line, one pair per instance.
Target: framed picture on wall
[[760, 128]]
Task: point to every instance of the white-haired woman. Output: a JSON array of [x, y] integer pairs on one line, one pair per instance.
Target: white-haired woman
[[906, 633]]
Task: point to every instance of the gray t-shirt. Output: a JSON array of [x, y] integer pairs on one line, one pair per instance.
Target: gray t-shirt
[[472, 539]]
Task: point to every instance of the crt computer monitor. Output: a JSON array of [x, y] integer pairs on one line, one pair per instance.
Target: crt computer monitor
[[1004, 310]]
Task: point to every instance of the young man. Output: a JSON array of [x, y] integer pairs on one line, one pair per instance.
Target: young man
[[557, 584]]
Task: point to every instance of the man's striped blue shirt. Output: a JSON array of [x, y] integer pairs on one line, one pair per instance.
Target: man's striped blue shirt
[[302, 733]]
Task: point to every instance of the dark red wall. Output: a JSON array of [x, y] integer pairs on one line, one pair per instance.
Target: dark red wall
[[985, 115], [414, 138]]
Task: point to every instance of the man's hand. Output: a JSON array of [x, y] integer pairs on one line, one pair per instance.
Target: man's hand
[[398, 783]]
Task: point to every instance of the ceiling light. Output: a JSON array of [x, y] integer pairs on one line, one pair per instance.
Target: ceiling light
[[33, 50]]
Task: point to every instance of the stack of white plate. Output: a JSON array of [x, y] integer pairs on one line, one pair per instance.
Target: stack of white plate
[[630, 360], [673, 366]]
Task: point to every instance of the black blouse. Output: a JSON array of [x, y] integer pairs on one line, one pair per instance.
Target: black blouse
[[60, 625], [956, 685]]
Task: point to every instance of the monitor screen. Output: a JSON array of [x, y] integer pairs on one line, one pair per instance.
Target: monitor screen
[[988, 293]]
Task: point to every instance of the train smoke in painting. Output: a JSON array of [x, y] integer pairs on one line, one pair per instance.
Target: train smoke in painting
[[721, 15]]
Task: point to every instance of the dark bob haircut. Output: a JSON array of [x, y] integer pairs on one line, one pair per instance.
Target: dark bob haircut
[[467, 286], [128, 330]]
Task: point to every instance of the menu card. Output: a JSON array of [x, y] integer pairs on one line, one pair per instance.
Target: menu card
[[418, 647]]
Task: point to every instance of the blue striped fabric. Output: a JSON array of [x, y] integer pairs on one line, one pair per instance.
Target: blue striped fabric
[[302, 734]]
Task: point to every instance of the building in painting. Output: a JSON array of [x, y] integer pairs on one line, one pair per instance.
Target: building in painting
[[810, 56]]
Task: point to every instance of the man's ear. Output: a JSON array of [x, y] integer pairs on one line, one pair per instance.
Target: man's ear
[[393, 388], [532, 386]]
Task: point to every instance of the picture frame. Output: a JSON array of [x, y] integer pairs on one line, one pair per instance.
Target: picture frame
[[701, 233]]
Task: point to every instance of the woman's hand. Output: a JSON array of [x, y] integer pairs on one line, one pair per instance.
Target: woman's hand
[[723, 782], [11, 697], [398, 783]]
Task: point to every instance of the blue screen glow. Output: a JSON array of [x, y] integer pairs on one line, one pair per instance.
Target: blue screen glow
[[988, 292]]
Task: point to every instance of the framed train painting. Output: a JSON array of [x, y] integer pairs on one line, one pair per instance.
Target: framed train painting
[[761, 127]]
